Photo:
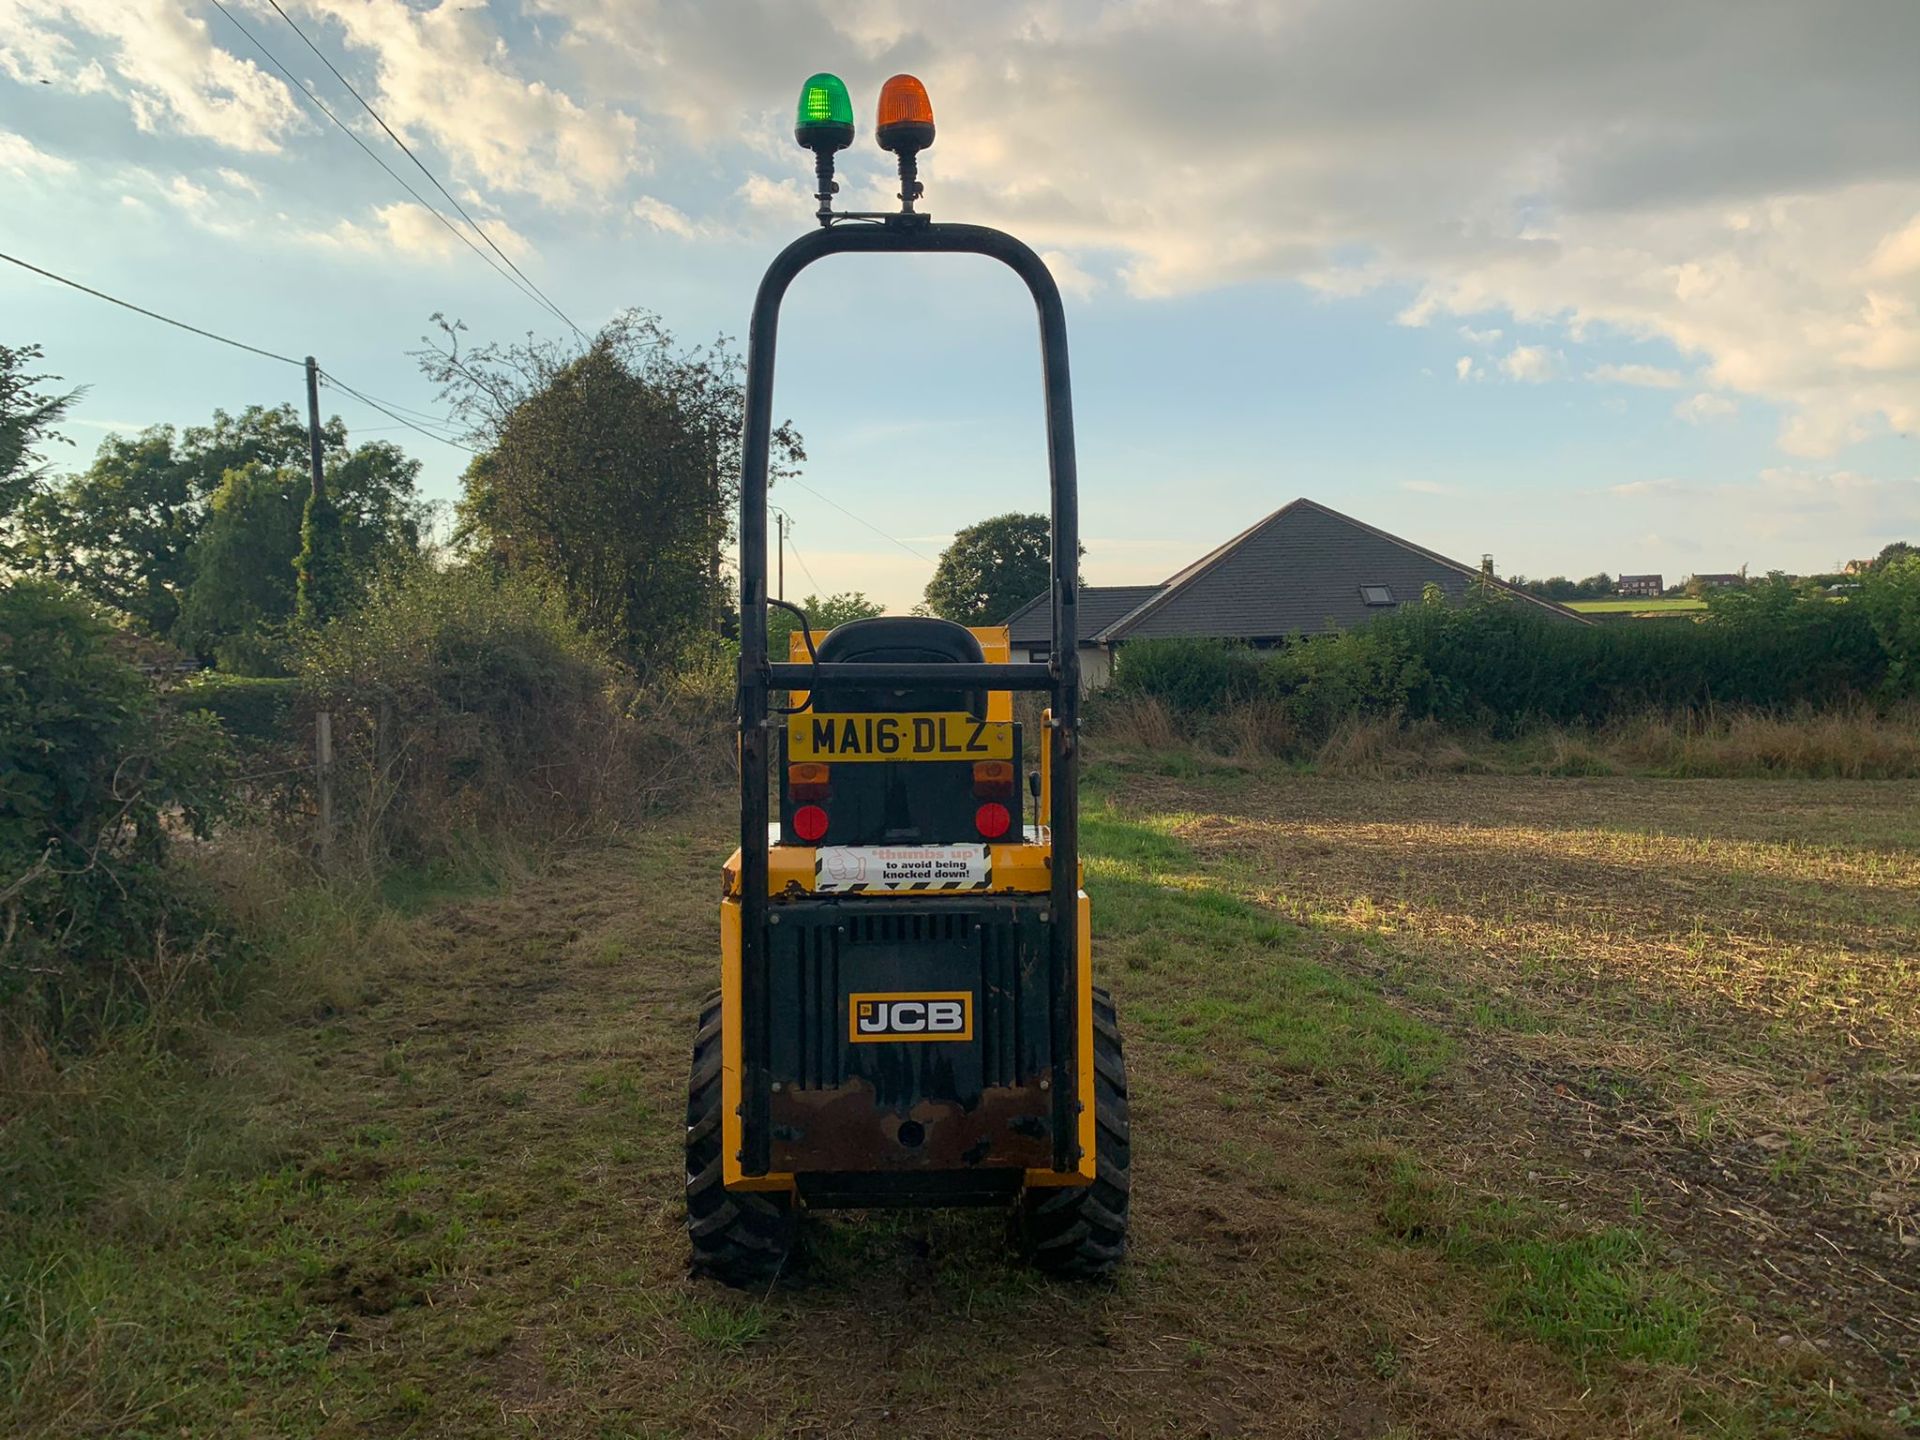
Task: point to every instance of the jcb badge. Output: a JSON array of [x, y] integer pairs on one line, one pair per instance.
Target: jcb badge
[[940, 1015]]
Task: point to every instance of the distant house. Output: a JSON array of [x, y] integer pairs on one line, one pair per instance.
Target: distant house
[[1303, 570], [1649, 587], [1859, 567], [1720, 582]]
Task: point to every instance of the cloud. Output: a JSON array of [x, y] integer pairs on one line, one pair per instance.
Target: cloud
[[1698, 409], [447, 73], [411, 232], [1529, 364], [1631, 173], [163, 64], [20, 157], [664, 218], [1464, 369], [1790, 517], [1651, 376], [1068, 275], [1735, 184]]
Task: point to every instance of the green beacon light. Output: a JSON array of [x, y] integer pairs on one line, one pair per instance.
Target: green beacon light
[[823, 123], [824, 118]]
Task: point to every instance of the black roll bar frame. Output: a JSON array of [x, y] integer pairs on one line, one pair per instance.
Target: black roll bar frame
[[908, 235]]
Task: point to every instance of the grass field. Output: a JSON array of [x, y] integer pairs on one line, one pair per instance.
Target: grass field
[[1463, 1106], [1678, 606]]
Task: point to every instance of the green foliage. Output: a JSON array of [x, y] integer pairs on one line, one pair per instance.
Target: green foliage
[[1499, 665], [992, 569], [90, 766], [27, 418], [1193, 676], [822, 615], [162, 515], [1559, 587], [1890, 598], [461, 700], [609, 474], [323, 588], [243, 577], [253, 710]]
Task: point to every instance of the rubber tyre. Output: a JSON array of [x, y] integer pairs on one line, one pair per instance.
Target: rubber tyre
[[1081, 1230], [741, 1239]]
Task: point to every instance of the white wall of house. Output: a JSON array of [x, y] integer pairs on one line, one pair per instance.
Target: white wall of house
[[1096, 665]]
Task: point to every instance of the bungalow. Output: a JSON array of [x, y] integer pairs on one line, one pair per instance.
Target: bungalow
[[1303, 570]]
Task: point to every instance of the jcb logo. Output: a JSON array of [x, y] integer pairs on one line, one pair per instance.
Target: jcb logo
[[942, 1015]]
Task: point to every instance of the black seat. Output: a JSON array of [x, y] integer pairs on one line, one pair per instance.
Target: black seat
[[900, 639]]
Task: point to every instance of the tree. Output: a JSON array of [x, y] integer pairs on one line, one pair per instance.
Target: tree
[[127, 532], [27, 418], [822, 615], [993, 568], [1890, 595], [611, 472], [1898, 550]]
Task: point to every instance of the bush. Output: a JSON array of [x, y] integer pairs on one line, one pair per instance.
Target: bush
[[464, 703], [1890, 599], [254, 710], [1502, 666], [95, 776], [1200, 677]]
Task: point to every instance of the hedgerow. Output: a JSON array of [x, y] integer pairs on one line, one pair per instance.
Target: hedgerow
[[1500, 665]]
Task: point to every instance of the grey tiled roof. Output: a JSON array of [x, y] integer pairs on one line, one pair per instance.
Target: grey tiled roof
[[1100, 606], [1298, 572]]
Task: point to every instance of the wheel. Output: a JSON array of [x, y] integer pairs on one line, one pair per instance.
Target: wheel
[[742, 1239], [1081, 1230]]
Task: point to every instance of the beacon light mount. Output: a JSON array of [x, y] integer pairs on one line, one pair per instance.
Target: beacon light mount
[[823, 123]]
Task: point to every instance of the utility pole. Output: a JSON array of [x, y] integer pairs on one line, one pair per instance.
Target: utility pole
[[313, 430], [319, 563], [783, 520]]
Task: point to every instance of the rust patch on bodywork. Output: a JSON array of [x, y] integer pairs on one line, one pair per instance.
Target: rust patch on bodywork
[[844, 1129]]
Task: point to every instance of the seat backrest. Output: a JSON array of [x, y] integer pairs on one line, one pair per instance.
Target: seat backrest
[[900, 639]]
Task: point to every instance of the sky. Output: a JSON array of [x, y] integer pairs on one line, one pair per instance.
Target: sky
[[1625, 287]]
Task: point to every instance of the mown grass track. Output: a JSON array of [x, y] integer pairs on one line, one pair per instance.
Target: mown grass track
[[1443, 1091]]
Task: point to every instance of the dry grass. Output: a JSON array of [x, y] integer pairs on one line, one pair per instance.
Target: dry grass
[[443, 1197], [1858, 744], [1716, 986]]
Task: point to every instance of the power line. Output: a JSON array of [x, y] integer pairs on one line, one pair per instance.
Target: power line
[[365, 399], [150, 314], [335, 380], [857, 519], [806, 569], [307, 92], [407, 150]]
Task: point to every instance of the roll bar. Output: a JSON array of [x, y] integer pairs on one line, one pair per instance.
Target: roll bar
[[908, 234]]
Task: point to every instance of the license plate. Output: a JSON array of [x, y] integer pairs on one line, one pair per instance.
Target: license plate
[[841, 738]]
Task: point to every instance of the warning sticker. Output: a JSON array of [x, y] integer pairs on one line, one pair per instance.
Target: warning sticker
[[902, 867]]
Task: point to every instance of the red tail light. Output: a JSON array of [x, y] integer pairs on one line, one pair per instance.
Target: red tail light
[[992, 820], [809, 781], [810, 822], [992, 779]]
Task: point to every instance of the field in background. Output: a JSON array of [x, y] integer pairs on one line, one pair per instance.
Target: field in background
[[1678, 606], [1464, 1105]]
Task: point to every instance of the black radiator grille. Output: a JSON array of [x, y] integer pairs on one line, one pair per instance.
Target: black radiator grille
[[821, 951]]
